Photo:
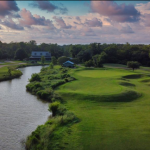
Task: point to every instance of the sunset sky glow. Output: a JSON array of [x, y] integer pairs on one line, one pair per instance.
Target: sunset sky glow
[[75, 22]]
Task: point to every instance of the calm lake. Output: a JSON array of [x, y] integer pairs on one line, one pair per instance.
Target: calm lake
[[20, 112]]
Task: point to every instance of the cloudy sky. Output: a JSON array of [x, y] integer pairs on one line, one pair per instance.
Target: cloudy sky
[[74, 22]]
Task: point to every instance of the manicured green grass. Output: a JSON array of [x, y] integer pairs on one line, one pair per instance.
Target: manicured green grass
[[107, 125], [96, 82], [103, 73]]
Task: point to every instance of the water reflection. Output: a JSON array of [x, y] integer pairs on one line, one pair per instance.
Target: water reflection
[[20, 112]]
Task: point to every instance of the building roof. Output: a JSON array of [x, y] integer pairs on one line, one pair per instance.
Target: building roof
[[40, 53], [69, 62]]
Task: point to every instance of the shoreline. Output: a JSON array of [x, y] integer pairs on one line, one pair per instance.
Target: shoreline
[[17, 73]]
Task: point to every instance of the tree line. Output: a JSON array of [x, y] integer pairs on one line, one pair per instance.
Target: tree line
[[93, 53]]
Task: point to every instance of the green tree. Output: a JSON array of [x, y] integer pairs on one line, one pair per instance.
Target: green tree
[[97, 61], [89, 63], [133, 64], [20, 54], [51, 65], [9, 71], [54, 60], [62, 59], [35, 77], [42, 60]]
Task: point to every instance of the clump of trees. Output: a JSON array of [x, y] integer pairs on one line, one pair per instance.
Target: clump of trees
[[97, 52], [133, 64]]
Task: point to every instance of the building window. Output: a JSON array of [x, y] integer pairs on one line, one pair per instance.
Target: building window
[[41, 53], [34, 53]]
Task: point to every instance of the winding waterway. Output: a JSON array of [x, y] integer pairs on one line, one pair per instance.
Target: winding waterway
[[20, 112]]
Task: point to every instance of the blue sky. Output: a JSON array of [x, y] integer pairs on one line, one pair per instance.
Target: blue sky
[[75, 22]]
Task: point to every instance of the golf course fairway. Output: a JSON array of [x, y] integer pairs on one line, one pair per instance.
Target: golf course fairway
[[113, 106]]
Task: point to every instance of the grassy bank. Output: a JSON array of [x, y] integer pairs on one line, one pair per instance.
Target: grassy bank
[[43, 85], [4, 75], [113, 107]]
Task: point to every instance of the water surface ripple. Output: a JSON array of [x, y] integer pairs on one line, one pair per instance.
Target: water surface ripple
[[20, 112]]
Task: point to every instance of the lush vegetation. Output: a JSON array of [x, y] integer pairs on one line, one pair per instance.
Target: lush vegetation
[[96, 52], [44, 83], [111, 103], [7, 73]]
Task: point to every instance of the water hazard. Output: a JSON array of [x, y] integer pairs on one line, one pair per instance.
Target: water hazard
[[20, 112]]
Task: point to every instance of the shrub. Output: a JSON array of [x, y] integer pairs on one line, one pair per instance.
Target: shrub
[[33, 87], [9, 71], [54, 85], [69, 118], [50, 77], [35, 77], [56, 97], [43, 69], [61, 110], [65, 75], [63, 70], [51, 66], [54, 108], [45, 94], [66, 80]]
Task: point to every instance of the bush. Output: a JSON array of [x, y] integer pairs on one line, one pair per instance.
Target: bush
[[56, 97], [54, 108], [34, 87], [63, 70], [35, 77], [45, 94], [51, 66], [9, 71], [43, 69], [66, 80], [69, 118], [54, 77], [54, 85], [61, 110], [65, 75]]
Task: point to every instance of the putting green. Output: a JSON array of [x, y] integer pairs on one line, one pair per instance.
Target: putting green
[[103, 73], [96, 82]]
